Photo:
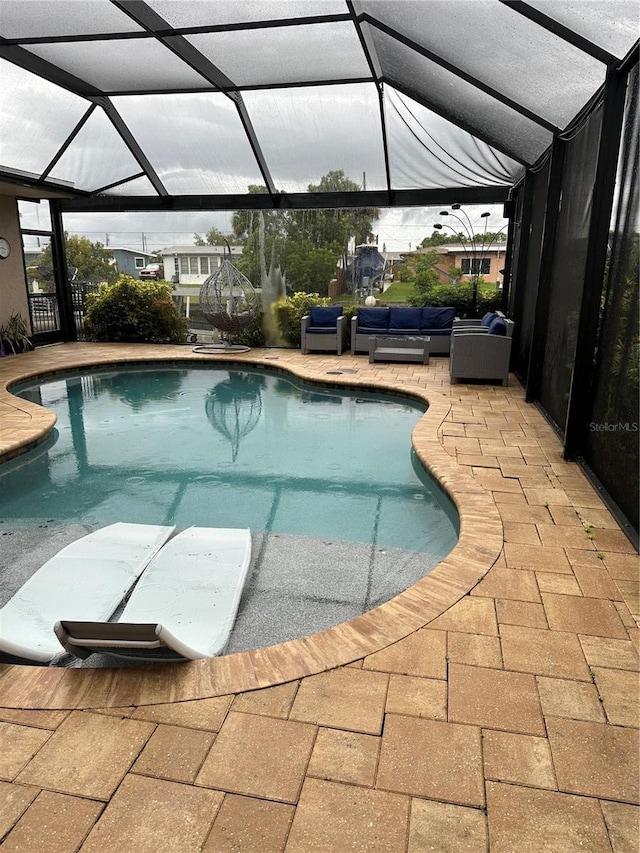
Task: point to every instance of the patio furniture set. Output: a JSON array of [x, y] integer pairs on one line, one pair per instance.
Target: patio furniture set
[[477, 349]]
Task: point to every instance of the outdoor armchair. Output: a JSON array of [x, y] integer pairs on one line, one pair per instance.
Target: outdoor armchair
[[484, 355], [324, 328]]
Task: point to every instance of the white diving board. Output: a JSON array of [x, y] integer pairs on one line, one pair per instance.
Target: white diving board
[[183, 607], [85, 580]]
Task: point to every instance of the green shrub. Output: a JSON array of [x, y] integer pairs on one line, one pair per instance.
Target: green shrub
[[290, 310], [460, 297], [14, 336], [251, 336], [134, 311]]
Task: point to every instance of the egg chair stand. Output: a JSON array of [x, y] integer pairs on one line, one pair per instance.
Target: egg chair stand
[[229, 302]]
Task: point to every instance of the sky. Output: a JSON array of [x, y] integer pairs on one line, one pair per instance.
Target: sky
[[398, 229]]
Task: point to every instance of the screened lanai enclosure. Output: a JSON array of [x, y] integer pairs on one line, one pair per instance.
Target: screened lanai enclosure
[[125, 105]]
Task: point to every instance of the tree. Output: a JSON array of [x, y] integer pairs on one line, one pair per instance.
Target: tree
[[427, 278], [304, 244], [213, 237], [92, 261], [437, 239]]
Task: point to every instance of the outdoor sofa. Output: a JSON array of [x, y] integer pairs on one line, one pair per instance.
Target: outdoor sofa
[[397, 322]]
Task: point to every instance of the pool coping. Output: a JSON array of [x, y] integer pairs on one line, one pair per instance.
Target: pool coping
[[479, 545]]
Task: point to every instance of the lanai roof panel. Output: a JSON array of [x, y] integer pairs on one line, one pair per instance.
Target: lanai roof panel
[[286, 55], [23, 19], [195, 141], [123, 65], [208, 97], [306, 133], [199, 13], [489, 41]]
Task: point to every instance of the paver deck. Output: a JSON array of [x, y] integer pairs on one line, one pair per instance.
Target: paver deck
[[492, 706]]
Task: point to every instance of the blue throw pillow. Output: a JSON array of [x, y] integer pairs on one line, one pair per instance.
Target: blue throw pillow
[[488, 319], [498, 327], [373, 318], [324, 315]]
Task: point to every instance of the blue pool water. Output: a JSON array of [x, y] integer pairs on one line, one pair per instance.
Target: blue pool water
[[223, 447]]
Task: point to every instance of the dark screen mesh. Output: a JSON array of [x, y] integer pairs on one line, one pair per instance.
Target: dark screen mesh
[[524, 297], [612, 442], [568, 267]]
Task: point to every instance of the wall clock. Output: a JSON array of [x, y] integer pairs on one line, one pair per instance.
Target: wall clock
[[5, 247]]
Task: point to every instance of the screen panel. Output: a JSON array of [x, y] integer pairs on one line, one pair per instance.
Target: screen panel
[[498, 124], [315, 52], [123, 65], [41, 18], [610, 24], [195, 142], [96, 157], [612, 437], [200, 13], [524, 298], [426, 150], [568, 267], [36, 117], [488, 40], [307, 133]]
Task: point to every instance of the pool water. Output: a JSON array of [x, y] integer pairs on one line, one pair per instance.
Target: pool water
[[221, 447]]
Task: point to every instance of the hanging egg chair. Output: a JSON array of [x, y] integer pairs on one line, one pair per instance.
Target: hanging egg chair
[[229, 302]]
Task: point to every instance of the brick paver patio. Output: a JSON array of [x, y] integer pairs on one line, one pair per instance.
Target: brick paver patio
[[493, 706]]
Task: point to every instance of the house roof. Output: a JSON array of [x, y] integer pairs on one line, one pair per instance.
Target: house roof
[[198, 250], [166, 104]]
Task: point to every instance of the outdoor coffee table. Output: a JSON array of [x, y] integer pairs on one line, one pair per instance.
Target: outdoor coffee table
[[408, 349]]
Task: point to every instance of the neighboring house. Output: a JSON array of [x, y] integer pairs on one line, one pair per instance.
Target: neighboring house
[[190, 266], [130, 261], [489, 263], [31, 257]]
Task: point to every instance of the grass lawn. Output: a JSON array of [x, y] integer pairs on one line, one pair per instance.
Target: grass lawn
[[398, 292]]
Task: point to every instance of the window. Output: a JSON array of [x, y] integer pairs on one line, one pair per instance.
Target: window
[[204, 266], [193, 266], [176, 264], [184, 265], [140, 264], [475, 266]]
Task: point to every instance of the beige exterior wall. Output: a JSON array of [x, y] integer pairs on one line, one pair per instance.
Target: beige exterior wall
[[497, 262], [13, 287]]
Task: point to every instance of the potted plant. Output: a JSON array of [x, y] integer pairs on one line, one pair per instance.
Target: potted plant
[[14, 336]]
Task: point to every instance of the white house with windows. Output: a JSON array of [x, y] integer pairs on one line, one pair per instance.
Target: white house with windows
[[188, 267]]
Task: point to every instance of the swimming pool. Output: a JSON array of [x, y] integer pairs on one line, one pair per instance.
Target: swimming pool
[[342, 513]]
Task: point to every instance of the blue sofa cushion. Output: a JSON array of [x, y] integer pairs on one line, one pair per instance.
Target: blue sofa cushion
[[488, 318], [324, 316], [405, 320], [373, 318], [437, 320], [498, 327]]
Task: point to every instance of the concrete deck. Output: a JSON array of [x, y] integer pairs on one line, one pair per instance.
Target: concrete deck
[[492, 706]]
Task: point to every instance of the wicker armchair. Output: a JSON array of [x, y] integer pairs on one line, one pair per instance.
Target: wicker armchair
[[481, 355], [324, 328]]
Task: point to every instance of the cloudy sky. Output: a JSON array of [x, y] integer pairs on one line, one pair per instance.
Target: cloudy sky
[[398, 229]]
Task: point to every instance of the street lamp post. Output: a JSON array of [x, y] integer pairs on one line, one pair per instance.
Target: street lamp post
[[479, 248]]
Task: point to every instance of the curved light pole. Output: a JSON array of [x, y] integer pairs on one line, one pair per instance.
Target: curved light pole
[[477, 255]]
